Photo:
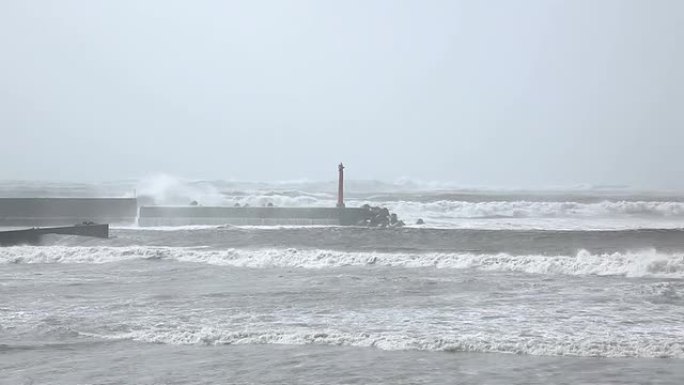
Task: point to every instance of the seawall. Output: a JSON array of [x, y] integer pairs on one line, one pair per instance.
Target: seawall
[[33, 236], [66, 211], [193, 215], [21, 212]]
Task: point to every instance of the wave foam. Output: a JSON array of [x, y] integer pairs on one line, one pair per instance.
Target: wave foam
[[647, 263], [475, 343], [529, 209]]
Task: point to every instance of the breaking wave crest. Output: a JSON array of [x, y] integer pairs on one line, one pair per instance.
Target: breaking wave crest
[[476, 343], [530, 209], [645, 263]]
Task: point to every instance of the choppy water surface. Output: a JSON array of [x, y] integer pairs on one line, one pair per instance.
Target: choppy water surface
[[489, 304]]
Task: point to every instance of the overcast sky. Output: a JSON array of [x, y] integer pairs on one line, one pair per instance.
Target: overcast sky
[[493, 93]]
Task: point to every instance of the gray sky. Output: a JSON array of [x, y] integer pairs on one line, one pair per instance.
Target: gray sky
[[496, 93]]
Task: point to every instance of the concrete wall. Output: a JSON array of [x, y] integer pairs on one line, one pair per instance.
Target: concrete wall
[[33, 236], [192, 215], [66, 211], [218, 221], [69, 211]]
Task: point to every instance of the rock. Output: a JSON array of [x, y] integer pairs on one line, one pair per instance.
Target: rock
[[395, 222], [380, 217]]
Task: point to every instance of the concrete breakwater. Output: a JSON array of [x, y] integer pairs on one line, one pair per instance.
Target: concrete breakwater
[[21, 212], [66, 211], [33, 236], [193, 215]]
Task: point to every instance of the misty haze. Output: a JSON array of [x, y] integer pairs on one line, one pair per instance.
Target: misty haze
[[342, 192]]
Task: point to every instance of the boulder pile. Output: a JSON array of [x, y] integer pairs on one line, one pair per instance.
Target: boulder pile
[[380, 217]]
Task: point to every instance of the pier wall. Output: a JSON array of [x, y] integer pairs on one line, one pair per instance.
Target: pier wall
[[20, 212], [66, 211], [33, 236], [179, 216]]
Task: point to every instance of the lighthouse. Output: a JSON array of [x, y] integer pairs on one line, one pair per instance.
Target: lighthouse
[[340, 186]]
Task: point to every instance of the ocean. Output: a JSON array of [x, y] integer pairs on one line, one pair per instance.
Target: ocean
[[563, 286]]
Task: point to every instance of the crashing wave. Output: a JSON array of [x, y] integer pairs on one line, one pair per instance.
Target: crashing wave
[[476, 343], [530, 209], [646, 263]]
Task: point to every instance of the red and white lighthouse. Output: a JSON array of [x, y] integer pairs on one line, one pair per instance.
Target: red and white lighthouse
[[340, 186]]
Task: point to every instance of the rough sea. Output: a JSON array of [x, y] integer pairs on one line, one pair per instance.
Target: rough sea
[[557, 286]]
